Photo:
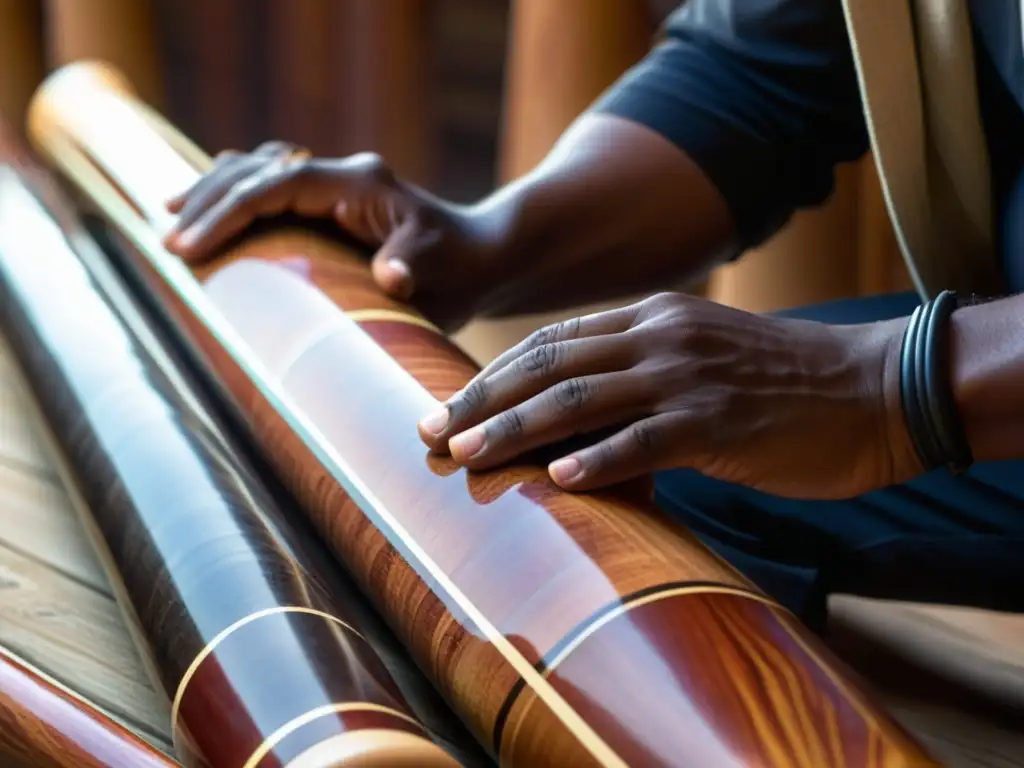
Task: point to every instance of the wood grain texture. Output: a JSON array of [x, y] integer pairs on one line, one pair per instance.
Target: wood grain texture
[[78, 636], [22, 60], [541, 615], [42, 725], [242, 631], [123, 32]]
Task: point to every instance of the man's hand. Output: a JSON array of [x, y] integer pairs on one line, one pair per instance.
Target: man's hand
[[790, 407], [614, 210], [431, 253]]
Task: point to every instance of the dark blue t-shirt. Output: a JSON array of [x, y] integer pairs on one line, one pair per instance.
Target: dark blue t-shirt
[[763, 95]]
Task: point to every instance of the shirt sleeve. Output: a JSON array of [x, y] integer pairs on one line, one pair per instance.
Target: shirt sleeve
[[761, 94]]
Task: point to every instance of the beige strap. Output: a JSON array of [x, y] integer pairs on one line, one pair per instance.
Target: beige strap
[[915, 64]]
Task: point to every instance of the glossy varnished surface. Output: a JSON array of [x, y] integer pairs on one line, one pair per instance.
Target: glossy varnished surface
[[42, 725], [663, 649], [567, 629], [243, 637]]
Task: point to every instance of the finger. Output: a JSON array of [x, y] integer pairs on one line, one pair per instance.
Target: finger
[[643, 447], [583, 327], [371, 210], [229, 169], [210, 189], [268, 193], [390, 265], [575, 406], [393, 277], [539, 369], [272, 149], [597, 324], [176, 203]]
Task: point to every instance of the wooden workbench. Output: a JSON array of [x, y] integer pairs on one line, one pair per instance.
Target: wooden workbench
[[56, 607]]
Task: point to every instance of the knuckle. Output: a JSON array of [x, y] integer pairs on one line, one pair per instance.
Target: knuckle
[[571, 394], [549, 334], [643, 437], [665, 307], [274, 147], [539, 337], [570, 329], [662, 299], [540, 361], [298, 167], [372, 166], [473, 397], [510, 424], [225, 156], [602, 457], [244, 190], [667, 296], [561, 330]]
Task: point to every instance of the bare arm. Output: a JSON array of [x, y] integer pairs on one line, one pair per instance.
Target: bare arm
[[615, 209]]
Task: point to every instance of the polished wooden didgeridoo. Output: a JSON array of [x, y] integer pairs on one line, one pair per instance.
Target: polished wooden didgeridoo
[[263, 667], [43, 724], [566, 629]]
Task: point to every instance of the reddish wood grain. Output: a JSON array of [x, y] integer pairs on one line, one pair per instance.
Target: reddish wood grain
[[44, 726]]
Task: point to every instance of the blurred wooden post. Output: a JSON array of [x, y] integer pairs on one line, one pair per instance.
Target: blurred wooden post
[[384, 68], [121, 32], [21, 57], [561, 55], [303, 85]]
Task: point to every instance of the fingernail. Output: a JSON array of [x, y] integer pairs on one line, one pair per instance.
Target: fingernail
[[400, 280], [186, 238], [467, 445], [565, 470], [435, 422], [400, 267]]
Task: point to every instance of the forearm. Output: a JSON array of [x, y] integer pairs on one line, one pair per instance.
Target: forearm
[[988, 377], [614, 210]]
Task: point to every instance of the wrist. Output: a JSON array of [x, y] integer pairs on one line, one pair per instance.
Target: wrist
[[984, 370], [904, 459], [495, 222], [518, 226]]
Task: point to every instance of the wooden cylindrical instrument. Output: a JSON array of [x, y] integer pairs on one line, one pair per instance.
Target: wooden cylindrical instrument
[[565, 629], [261, 663], [45, 725]]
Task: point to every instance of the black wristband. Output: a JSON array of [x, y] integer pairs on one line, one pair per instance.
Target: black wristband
[[926, 393]]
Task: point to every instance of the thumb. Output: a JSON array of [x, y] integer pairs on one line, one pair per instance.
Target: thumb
[[394, 265], [392, 275]]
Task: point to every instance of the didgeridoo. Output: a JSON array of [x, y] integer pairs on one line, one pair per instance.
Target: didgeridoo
[[564, 629]]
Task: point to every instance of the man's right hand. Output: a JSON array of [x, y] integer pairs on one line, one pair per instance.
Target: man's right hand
[[432, 253]]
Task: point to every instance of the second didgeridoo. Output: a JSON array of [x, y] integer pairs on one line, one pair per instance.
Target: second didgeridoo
[[44, 725], [263, 663], [566, 629]]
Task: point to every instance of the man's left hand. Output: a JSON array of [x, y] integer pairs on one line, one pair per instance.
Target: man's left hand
[[791, 407]]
